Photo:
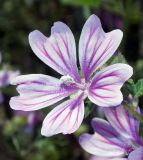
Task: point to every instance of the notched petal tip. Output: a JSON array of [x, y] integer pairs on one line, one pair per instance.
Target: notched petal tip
[[118, 33], [13, 104], [105, 87], [33, 33], [93, 17], [59, 24], [84, 137], [128, 70], [95, 46], [44, 133], [94, 120]]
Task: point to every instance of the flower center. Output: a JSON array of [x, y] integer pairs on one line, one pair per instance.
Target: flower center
[[68, 80]]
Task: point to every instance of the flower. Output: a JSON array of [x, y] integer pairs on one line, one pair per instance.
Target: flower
[[117, 139], [59, 52], [118, 22], [33, 118], [5, 77]]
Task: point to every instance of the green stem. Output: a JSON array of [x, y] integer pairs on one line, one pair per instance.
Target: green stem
[[16, 144]]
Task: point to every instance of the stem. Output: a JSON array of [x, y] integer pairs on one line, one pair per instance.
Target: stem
[[16, 144]]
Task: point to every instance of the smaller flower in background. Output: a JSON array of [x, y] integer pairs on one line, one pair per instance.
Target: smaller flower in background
[[117, 139], [118, 22], [33, 118], [5, 77], [59, 52], [111, 20]]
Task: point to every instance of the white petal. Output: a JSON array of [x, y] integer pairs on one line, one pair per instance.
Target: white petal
[[104, 158], [96, 46], [123, 122], [136, 154], [65, 118], [58, 51], [105, 87], [100, 146], [38, 91]]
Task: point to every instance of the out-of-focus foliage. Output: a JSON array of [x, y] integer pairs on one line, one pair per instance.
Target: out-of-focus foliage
[[90, 3], [117, 59], [20, 136], [136, 88]]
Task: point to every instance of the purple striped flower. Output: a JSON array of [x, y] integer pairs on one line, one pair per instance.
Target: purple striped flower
[[118, 22], [33, 118], [115, 139], [59, 52]]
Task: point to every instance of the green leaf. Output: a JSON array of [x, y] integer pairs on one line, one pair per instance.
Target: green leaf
[[89, 108], [119, 58], [139, 88], [90, 3], [135, 89], [82, 129], [114, 6], [130, 86]]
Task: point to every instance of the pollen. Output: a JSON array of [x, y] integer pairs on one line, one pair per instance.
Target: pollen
[[67, 80]]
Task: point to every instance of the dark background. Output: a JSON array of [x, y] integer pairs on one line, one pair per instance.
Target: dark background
[[20, 137]]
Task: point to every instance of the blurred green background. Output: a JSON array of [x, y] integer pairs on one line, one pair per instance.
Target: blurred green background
[[20, 137]]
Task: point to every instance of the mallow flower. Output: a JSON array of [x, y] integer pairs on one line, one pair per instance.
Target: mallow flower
[[115, 139], [59, 52]]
